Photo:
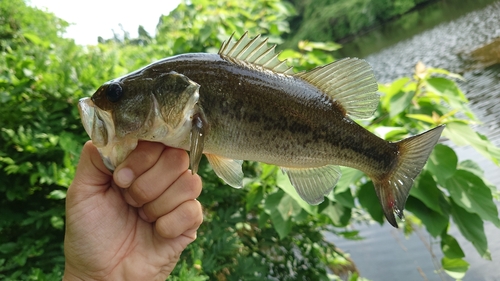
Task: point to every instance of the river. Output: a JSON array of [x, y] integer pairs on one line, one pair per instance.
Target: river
[[438, 35]]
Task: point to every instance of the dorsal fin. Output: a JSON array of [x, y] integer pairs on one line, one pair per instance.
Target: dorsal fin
[[253, 52], [350, 82]]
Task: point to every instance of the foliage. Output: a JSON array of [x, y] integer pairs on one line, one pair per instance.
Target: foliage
[[41, 78], [262, 231], [337, 19], [201, 26]]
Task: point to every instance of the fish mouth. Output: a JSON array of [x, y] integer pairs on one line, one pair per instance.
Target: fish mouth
[[86, 108], [100, 127], [97, 123]]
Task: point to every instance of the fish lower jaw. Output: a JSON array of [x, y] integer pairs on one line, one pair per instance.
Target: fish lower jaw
[[115, 152]]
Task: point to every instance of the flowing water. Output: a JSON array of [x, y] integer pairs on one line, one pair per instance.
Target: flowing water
[[440, 35]]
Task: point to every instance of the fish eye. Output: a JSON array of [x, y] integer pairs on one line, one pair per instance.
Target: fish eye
[[114, 92]]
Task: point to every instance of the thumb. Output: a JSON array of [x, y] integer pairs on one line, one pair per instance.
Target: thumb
[[91, 174]]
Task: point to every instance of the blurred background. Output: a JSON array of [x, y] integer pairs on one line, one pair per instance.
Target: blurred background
[[55, 52]]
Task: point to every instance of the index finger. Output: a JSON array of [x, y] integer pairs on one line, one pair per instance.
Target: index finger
[[141, 159]]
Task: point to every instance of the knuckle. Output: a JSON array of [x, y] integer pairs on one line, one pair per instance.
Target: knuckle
[[177, 157], [188, 216], [140, 193], [199, 213], [193, 212], [165, 228], [192, 186], [146, 157], [151, 211]]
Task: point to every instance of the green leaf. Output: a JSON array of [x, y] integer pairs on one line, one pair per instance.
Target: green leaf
[[399, 102], [281, 225], [449, 91], [263, 219], [369, 200], [450, 247], [57, 222], [254, 196], [69, 143], [426, 190], [472, 228], [445, 87], [472, 167], [272, 201], [432, 70], [33, 38], [390, 90], [289, 54], [434, 222], [442, 163], [422, 117], [325, 46], [470, 192], [349, 177], [284, 183], [288, 207], [339, 214], [351, 235], [461, 134], [389, 132], [345, 198], [57, 194], [456, 268], [9, 247]]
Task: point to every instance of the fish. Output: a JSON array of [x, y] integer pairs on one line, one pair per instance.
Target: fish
[[243, 103]]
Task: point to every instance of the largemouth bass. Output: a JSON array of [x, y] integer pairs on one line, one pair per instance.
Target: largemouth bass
[[245, 104]]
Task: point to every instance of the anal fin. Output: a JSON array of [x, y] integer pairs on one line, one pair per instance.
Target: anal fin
[[227, 169], [312, 184]]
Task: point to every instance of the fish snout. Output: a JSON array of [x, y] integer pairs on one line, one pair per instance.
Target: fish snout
[[93, 122], [87, 112]]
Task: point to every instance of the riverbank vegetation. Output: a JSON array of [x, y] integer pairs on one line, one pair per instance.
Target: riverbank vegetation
[[334, 20], [263, 231]]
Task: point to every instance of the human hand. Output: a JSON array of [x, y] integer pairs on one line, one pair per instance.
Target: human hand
[[133, 224]]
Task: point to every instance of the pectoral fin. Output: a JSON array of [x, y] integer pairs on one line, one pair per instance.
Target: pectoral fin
[[312, 184], [227, 169], [198, 133]]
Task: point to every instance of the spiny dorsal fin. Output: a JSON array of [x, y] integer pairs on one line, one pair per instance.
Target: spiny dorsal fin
[[253, 52], [349, 82]]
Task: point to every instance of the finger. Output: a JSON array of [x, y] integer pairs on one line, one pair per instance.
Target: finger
[[143, 157], [91, 172], [186, 187], [185, 219], [171, 164]]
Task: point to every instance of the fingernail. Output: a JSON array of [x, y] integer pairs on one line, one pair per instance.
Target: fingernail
[[124, 177]]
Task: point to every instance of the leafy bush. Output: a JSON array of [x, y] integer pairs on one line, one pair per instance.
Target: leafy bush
[[263, 231], [41, 78]]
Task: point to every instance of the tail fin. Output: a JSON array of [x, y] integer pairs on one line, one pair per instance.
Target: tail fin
[[393, 188]]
